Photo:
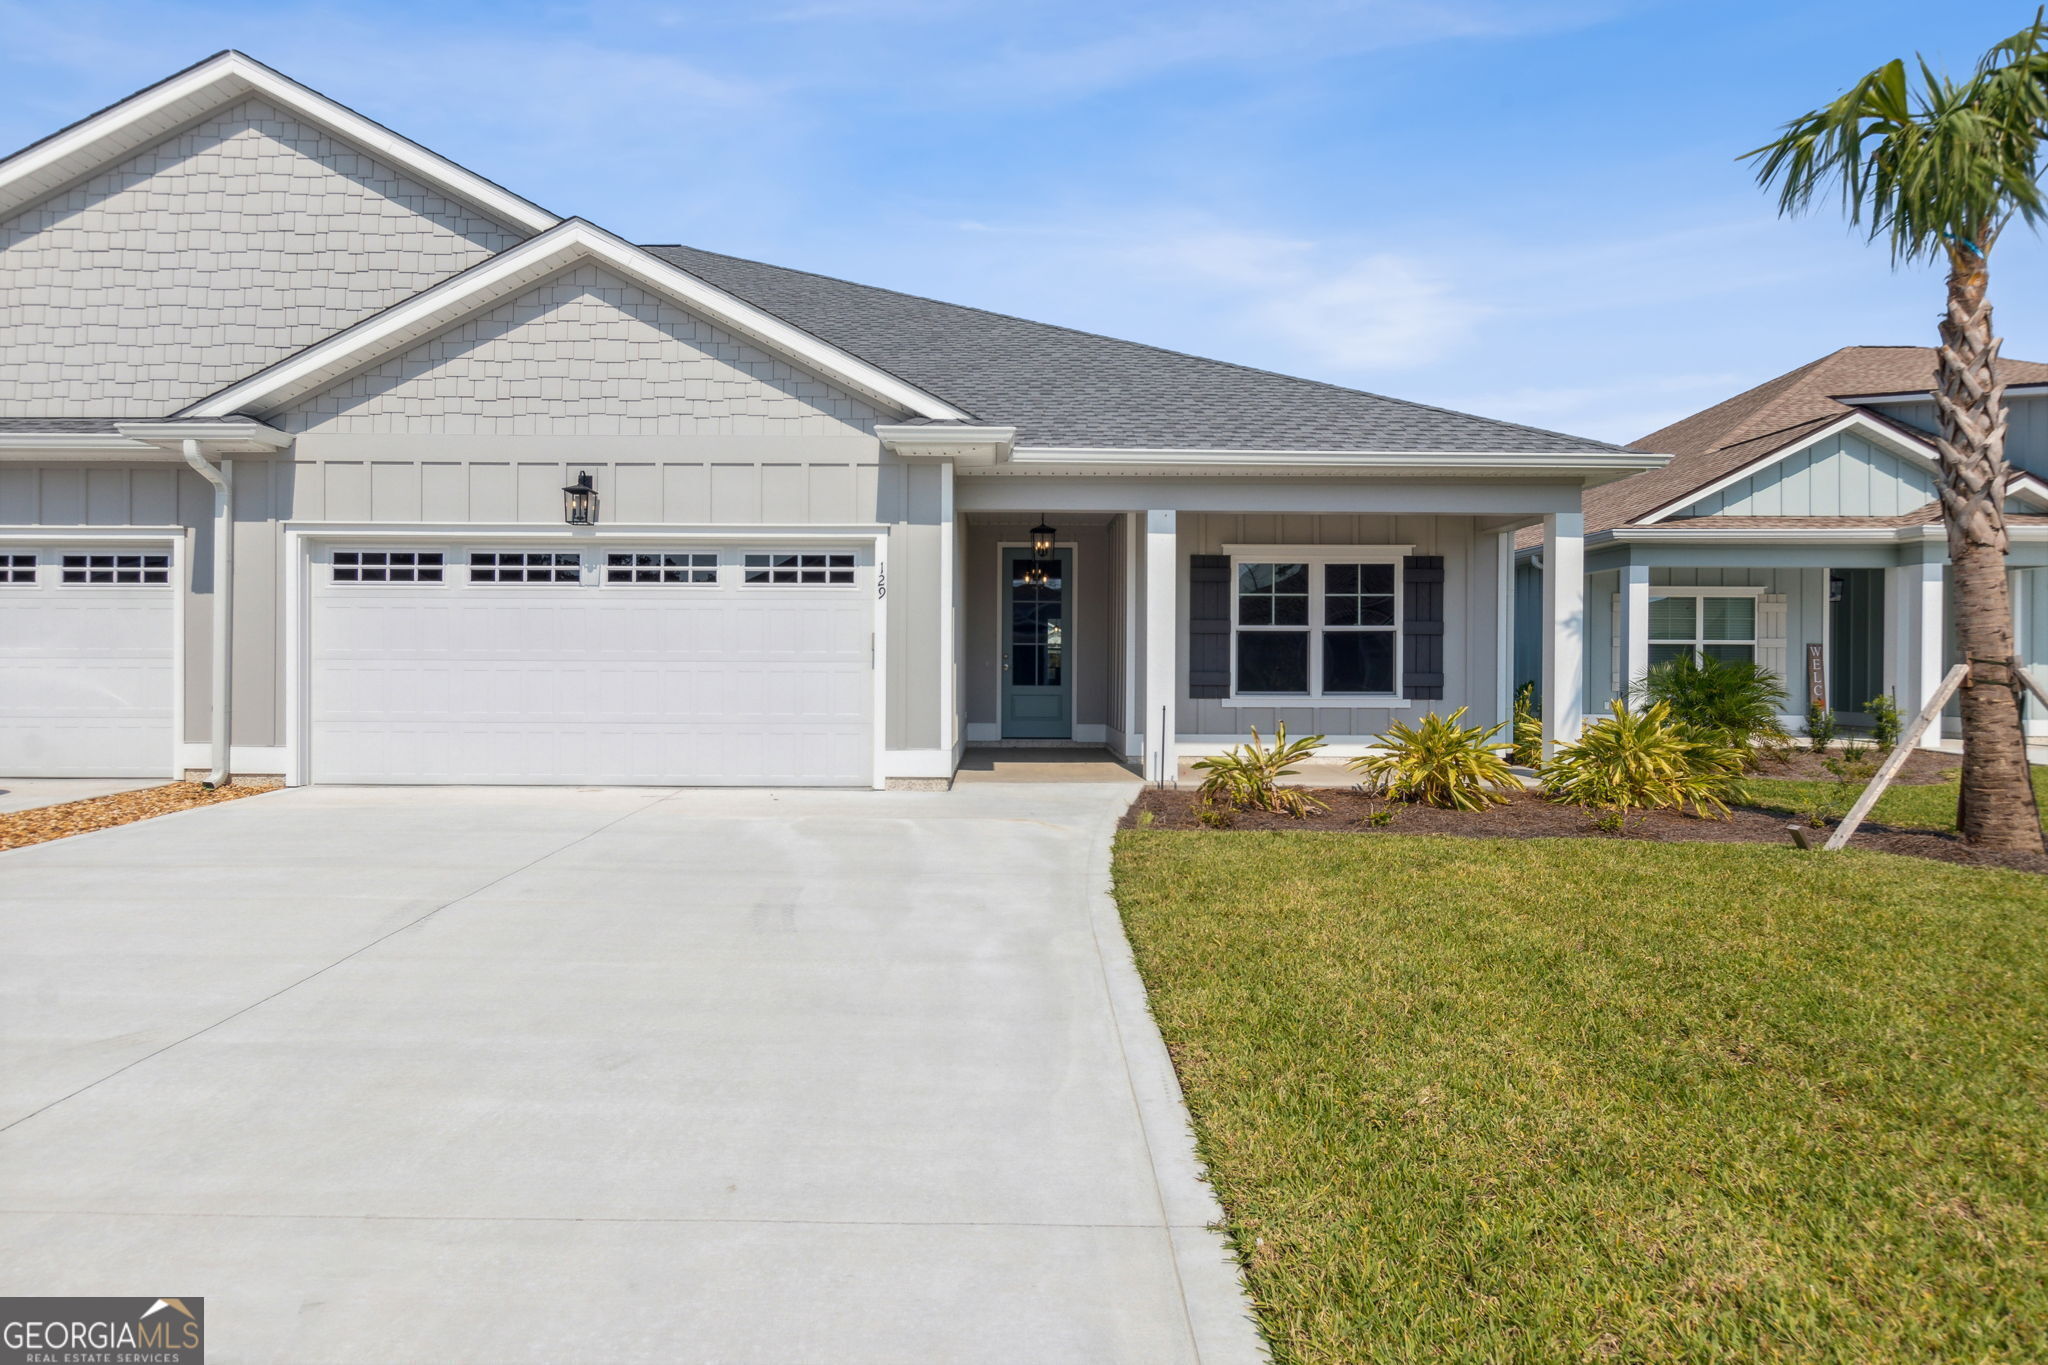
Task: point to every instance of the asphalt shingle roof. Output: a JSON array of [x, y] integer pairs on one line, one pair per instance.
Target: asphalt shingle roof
[[66, 426], [1061, 387]]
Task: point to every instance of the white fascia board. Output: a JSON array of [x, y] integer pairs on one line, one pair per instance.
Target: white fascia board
[[1597, 465], [1887, 436], [2026, 484], [240, 437], [432, 310], [161, 109]]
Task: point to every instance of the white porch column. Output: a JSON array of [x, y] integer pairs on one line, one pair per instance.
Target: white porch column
[[1634, 625], [1162, 757], [1916, 641], [1564, 628]]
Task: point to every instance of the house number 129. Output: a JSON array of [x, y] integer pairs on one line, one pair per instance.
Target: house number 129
[[881, 580]]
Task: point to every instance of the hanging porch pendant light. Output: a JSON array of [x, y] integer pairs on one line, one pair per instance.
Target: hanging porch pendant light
[[1042, 540]]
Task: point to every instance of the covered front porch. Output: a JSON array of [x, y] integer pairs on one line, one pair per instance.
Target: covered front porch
[[1162, 633], [1841, 616]]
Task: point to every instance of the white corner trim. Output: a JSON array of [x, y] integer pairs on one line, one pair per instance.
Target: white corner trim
[[1890, 437], [533, 260], [160, 109]]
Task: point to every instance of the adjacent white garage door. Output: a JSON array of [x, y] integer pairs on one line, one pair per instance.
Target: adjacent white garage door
[[87, 660], [517, 664]]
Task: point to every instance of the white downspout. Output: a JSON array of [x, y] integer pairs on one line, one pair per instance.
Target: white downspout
[[223, 481]]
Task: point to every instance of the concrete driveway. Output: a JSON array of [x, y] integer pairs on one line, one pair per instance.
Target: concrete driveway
[[518, 1074]]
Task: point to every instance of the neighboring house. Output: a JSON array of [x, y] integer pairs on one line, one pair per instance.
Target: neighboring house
[[804, 552], [1796, 525]]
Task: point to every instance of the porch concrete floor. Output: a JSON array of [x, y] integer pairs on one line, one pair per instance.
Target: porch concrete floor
[[1043, 765]]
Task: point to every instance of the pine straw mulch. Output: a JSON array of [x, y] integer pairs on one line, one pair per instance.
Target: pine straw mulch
[[1532, 816], [1924, 767], [19, 829]]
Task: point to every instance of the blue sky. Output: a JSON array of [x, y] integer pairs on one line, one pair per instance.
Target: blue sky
[[1529, 210]]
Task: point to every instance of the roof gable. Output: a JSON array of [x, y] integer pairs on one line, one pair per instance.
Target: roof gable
[[1850, 469], [510, 273], [223, 79], [585, 352]]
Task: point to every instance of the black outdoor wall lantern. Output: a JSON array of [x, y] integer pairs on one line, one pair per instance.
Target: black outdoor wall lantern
[[1041, 541], [579, 501]]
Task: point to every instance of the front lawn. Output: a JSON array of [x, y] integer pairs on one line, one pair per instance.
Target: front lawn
[[1573, 1099], [1924, 806]]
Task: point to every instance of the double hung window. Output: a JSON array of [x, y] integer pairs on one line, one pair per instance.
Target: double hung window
[[1316, 626]]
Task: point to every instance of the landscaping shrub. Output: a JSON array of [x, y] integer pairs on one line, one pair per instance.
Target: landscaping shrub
[[1886, 726], [1247, 776], [1820, 727], [1640, 760], [1731, 701], [1439, 763], [1528, 728]]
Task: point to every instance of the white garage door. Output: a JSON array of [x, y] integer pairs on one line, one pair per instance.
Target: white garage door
[[87, 644], [732, 666]]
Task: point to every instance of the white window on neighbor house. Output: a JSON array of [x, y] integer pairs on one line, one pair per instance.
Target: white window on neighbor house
[[1708, 625], [1316, 624]]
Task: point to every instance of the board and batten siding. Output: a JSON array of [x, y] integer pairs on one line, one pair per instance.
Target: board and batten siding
[[1841, 476], [1806, 604], [1470, 614], [209, 255], [588, 353]]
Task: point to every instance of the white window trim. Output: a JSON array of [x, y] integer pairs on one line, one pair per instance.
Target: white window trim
[[1699, 641], [1318, 558]]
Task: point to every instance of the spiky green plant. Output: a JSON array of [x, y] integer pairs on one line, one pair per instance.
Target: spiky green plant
[[1887, 726], [1247, 776], [1644, 760], [1439, 763], [1528, 728], [1733, 702]]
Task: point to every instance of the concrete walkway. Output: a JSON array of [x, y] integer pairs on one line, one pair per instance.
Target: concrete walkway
[[31, 793], [542, 1075]]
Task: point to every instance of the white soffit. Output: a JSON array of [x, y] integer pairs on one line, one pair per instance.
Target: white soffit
[[511, 272], [154, 113]]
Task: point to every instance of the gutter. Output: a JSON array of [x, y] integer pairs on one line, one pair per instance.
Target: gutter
[[222, 477]]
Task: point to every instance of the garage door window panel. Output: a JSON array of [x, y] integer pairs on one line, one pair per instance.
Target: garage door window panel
[[817, 569], [17, 569], [637, 566], [388, 566], [526, 566], [116, 570]]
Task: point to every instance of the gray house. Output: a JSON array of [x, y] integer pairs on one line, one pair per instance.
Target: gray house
[[321, 455], [1796, 525]]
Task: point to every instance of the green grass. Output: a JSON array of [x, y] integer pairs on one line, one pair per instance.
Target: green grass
[[1478, 1100], [1921, 807]]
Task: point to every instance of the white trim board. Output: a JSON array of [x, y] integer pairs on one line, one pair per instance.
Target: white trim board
[[511, 272], [157, 111]]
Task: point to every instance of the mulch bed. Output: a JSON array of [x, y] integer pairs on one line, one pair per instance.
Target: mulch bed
[[18, 829], [1531, 816], [1924, 767]]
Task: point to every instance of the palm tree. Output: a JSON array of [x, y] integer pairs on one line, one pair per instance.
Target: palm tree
[[1939, 168]]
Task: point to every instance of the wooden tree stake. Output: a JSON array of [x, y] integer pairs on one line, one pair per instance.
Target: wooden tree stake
[[1897, 758]]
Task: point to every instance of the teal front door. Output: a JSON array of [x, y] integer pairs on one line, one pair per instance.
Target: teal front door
[[1038, 686]]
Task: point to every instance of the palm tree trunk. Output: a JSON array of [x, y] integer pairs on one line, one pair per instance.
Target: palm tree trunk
[[1996, 806]]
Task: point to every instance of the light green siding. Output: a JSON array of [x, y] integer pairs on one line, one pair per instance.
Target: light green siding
[[1842, 476]]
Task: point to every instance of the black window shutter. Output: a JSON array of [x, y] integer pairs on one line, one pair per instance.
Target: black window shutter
[[1209, 625], [1422, 627]]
